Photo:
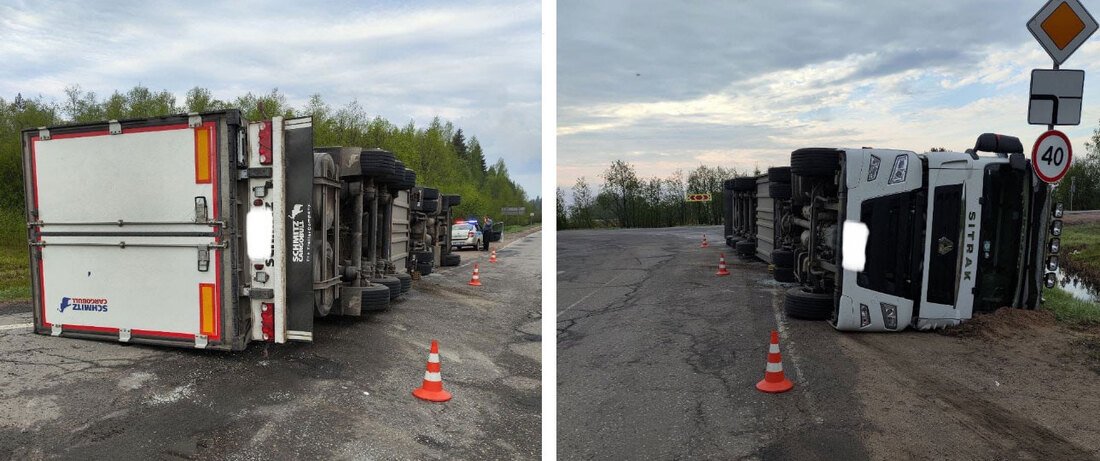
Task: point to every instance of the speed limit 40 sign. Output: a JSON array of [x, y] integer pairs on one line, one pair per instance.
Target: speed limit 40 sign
[[1051, 156]]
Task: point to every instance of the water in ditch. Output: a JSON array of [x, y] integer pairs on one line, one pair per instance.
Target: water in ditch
[[1079, 287]]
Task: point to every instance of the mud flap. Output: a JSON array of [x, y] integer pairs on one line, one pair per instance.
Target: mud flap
[[298, 144]]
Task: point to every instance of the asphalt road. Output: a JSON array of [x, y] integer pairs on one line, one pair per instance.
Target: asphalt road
[[345, 396], [658, 359]]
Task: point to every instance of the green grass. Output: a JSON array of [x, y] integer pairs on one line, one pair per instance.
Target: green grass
[[517, 227], [1071, 310], [1080, 251], [15, 281]]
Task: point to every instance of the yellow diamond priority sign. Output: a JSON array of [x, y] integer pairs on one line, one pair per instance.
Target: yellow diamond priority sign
[[1061, 26]]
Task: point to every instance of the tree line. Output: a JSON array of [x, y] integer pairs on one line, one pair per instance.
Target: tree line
[[439, 152], [1084, 177], [625, 200]]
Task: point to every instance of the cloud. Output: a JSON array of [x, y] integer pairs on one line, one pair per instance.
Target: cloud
[[670, 86], [476, 64]]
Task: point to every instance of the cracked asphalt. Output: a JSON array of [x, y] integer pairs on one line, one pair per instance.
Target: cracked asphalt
[[658, 359], [345, 396]]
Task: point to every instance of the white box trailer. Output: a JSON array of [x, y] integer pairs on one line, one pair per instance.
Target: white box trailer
[[201, 230]]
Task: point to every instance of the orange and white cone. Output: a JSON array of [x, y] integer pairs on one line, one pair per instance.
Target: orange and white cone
[[722, 265], [774, 381], [493, 256], [475, 281], [705, 244], [432, 388]]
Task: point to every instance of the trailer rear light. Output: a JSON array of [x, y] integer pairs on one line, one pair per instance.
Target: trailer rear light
[[900, 170], [1055, 244], [890, 315], [864, 315], [1056, 228], [207, 310], [258, 202], [1051, 280], [267, 321], [1058, 211], [203, 148], [258, 267], [261, 231], [1052, 263], [265, 143]]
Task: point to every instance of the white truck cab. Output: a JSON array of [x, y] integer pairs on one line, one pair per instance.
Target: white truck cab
[[943, 229]]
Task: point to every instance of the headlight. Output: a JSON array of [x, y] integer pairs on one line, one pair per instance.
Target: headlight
[[1058, 210], [1051, 280], [1052, 263], [872, 169], [900, 170], [864, 315], [1055, 244], [1056, 228], [890, 316]]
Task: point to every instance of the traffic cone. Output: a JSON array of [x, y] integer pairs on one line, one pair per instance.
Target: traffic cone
[[774, 381], [722, 265], [475, 281], [705, 244], [432, 388], [493, 256]]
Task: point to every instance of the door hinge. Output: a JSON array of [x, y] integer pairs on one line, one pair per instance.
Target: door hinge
[[201, 341], [200, 210], [204, 259], [114, 127], [194, 120], [124, 335], [43, 134], [55, 329]]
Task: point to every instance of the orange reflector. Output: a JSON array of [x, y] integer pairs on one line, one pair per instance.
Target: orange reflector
[[1062, 26], [203, 150], [208, 315]]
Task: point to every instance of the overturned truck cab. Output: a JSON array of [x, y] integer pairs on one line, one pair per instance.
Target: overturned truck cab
[[888, 239]]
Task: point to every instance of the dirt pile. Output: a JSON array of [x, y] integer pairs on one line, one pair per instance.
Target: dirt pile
[[1003, 323]]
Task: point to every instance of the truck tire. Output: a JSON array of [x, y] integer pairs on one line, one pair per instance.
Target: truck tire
[[780, 190], [784, 274], [406, 281], [393, 283], [451, 260], [746, 248], [731, 242], [429, 194], [744, 184], [452, 200], [376, 298], [806, 305], [377, 163], [727, 184], [815, 162], [410, 179], [398, 178], [783, 258], [425, 268], [779, 174]]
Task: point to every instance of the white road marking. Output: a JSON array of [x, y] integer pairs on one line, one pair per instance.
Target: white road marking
[[16, 326], [589, 294]]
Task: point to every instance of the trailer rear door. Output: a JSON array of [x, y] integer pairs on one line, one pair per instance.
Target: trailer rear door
[[126, 229]]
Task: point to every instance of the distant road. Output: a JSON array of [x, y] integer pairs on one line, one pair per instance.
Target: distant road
[[1082, 216]]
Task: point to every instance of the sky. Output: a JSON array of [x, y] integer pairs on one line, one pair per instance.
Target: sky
[[673, 85], [474, 63]]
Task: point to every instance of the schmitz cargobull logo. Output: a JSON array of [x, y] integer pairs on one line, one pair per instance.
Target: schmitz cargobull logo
[[83, 304], [298, 236]]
